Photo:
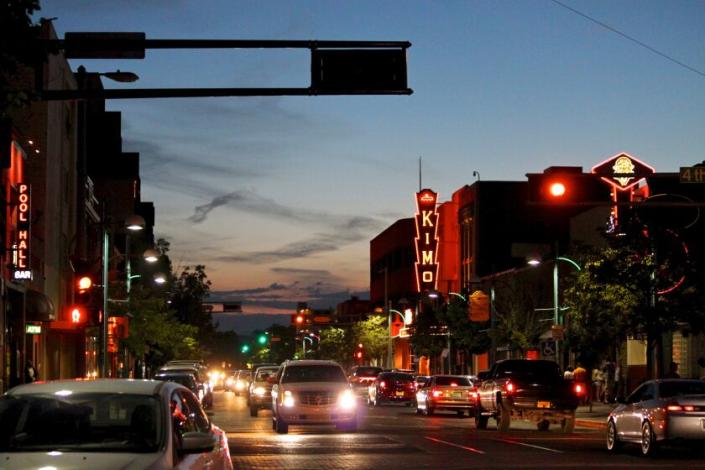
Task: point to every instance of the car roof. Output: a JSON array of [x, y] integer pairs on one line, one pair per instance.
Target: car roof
[[184, 367], [131, 386], [311, 362]]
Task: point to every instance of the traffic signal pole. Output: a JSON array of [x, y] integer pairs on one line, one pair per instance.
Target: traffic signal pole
[[104, 323]]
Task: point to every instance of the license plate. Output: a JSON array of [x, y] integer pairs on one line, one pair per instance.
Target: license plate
[[543, 404], [400, 394], [457, 395]]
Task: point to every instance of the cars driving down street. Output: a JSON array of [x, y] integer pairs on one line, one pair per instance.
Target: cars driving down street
[[392, 387], [447, 392]]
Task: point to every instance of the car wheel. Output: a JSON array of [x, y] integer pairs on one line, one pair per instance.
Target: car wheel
[[568, 424], [419, 411], [460, 413], [613, 443], [429, 410], [377, 402], [648, 440], [481, 421], [504, 418], [253, 411], [281, 427]]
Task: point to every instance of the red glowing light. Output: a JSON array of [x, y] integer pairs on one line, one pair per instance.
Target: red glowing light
[[76, 315], [299, 319], [509, 387], [557, 189], [84, 283]]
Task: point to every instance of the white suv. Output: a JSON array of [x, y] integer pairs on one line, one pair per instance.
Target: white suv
[[313, 392]]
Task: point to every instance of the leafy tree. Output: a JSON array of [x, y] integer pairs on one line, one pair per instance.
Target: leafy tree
[[335, 345], [284, 347], [425, 338], [155, 334], [466, 335], [517, 322], [18, 51], [373, 334], [188, 292]]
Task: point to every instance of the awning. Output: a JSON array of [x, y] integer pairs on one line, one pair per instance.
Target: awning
[[38, 307]]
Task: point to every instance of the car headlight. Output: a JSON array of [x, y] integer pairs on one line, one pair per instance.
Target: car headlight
[[346, 400], [229, 381], [259, 391], [288, 399]]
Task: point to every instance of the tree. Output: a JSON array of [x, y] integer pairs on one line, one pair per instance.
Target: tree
[[156, 336], [188, 292], [282, 343], [18, 50], [374, 336], [517, 323], [466, 335], [335, 344], [425, 338]]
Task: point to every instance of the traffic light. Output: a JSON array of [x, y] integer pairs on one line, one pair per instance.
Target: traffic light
[[262, 339], [359, 354], [566, 186], [85, 307], [78, 314], [245, 348]]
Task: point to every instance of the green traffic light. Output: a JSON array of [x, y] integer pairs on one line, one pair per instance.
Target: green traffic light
[[262, 339], [245, 348]]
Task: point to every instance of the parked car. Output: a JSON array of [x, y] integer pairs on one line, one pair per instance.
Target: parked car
[[658, 411], [201, 379], [393, 387], [260, 394], [313, 392], [108, 424], [361, 377], [447, 392], [188, 380]]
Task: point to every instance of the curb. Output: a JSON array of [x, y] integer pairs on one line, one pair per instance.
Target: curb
[[586, 423]]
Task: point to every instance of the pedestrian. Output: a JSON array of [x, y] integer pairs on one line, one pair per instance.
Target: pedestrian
[[580, 377], [568, 374], [598, 384], [609, 371], [30, 372]]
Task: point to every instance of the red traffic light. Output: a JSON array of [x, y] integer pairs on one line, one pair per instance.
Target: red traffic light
[[84, 283], [556, 189], [359, 355], [77, 314], [299, 319]]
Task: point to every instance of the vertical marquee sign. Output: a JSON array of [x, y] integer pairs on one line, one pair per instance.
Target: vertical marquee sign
[[426, 241], [22, 270]]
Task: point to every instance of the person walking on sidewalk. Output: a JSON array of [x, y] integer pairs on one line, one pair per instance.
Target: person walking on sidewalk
[[598, 384]]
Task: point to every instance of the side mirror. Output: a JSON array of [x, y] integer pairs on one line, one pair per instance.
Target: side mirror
[[198, 442]]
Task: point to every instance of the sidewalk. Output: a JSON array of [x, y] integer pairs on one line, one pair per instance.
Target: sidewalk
[[595, 419]]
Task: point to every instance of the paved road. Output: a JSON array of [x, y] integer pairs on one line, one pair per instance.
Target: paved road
[[394, 437]]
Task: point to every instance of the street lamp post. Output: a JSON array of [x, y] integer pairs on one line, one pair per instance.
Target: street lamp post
[[303, 344], [133, 223]]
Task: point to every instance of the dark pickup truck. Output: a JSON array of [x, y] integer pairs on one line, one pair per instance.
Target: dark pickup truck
[[529, 390]]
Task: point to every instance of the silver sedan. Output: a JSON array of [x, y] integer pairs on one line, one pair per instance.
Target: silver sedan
[[659, 410]]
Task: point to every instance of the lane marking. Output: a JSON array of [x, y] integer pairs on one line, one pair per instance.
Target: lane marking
[[548, 449], [596, 439], [471, 449]]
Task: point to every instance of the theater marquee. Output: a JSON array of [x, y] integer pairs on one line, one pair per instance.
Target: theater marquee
[[426, 241]]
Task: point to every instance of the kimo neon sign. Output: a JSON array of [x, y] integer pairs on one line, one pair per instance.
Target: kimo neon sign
[[426, 241]]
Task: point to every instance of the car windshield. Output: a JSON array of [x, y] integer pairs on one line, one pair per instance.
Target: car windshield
[[262, 374], [397, 377], [691, 387], [245, 374], [185, 380], [453, 381], [322, 373], [95, 422], [367, 371]]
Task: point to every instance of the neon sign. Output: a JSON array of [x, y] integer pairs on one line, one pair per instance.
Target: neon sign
[[426, 241], [22, 270], [623, 171]]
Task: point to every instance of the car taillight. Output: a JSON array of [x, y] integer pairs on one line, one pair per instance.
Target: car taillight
[[579, 389], [382, 384], [676, 407], [411, 385], [509, 387], [472, 394], [437, 393]]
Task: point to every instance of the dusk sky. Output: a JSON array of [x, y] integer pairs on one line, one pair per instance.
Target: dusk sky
[[279, 197]]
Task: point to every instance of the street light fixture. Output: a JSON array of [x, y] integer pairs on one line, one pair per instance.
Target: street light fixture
[[556, 307], [160, 278], [151, 255]]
